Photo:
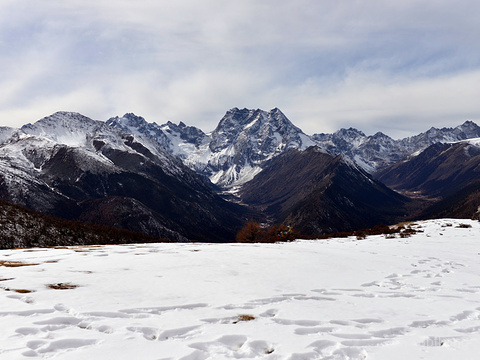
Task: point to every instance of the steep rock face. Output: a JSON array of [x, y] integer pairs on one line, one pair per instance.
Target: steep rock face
[[70, 160], [245, 140], [317, 193]]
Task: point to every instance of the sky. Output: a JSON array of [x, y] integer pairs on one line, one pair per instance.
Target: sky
[[399, 67]]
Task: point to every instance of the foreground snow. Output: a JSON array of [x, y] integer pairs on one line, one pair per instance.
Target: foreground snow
[[413, 298]]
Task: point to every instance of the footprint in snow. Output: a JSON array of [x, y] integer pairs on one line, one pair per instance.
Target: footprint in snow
[[40, 347]]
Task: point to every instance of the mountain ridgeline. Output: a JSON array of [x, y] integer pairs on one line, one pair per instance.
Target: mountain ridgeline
[[318, 193], [176, 182]]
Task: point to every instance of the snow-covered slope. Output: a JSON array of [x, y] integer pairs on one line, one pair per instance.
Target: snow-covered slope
[[6, 133], [175, 138], [91, 136], [186, 142], [339, 299], [26, 154]]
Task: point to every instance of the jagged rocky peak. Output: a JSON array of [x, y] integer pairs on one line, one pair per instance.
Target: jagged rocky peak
[[345, 134], [234, 152], [271, 127], [138, 126], [382, 136], [190, 134], [130, 123], [127, 120], [168, 135], [379, 141], [245, 140], [349, 134], [253, 119], [469, 129]]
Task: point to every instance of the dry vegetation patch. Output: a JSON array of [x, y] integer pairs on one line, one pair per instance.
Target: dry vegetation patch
[[244, 317], [12, 263], [83, 250], [463, 226], [62, 286], [19, 291], [403, 230], [23, 291]]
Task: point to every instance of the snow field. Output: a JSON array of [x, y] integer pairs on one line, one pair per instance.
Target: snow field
[[401, 298]]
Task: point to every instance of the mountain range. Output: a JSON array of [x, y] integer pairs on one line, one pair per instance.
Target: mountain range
[[178, 182], [70, 166]]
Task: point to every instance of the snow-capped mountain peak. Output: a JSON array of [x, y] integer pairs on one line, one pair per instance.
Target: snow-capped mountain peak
[[378, 151], [244, 141], [231, 154], [66, 128]]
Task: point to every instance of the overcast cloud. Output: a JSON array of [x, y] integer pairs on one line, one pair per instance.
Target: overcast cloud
[[394, 66]]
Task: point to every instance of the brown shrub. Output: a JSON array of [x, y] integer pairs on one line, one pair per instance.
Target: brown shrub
[[252, 232], [249, 233]]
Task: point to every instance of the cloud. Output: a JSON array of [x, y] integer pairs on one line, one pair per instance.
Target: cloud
[[373, 102], [325, 64]]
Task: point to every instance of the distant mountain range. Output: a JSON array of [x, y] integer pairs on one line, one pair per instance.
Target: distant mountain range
[[177, 182], [70, 166], [245, 140]]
